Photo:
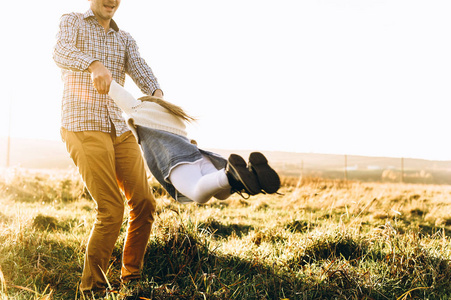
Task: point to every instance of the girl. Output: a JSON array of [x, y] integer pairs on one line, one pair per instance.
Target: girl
[[186, 172]]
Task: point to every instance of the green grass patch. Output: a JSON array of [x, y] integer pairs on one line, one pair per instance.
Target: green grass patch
[[319, 240]]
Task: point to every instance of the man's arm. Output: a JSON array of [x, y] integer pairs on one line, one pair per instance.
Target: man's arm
[[137, 68], [65, 54]]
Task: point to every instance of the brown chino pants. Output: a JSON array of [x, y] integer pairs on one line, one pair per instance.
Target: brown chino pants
[[109, 164]]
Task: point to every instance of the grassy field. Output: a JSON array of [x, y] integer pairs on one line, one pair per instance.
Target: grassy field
[[320, 239]]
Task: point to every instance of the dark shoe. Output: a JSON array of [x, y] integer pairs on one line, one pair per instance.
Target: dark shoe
[[240, 178], [268, 178]]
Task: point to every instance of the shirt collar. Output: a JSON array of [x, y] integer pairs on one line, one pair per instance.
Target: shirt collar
[[90, 14]]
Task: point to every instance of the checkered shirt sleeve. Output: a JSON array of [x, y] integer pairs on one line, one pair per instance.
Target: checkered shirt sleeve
[[80, 41]]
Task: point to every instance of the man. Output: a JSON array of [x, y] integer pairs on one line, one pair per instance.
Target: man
[[92, 51]]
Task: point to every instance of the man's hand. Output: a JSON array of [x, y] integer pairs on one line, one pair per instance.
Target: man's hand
[[101, 77], [158, 93]]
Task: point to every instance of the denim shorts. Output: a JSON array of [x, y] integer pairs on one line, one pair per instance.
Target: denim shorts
[[164, 150]]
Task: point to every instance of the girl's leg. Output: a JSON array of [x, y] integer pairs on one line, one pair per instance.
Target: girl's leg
[[223, 195], [207, 167], [200, 181]]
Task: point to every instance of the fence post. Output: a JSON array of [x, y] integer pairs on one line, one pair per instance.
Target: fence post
[[8, 143], [402, 169], [346, 167], [302, 168]]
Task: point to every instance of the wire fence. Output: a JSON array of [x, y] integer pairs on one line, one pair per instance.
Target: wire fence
[[374, 169]]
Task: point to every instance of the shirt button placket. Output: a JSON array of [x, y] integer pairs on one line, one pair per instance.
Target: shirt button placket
[[102, 42], [105, 58]]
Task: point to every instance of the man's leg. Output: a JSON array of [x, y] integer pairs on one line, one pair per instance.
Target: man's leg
[[132, 178], [93, 154]]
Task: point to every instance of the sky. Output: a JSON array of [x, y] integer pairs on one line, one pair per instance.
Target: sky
[[356, 77]]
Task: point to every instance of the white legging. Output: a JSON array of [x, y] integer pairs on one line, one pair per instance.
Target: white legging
[[200, 181]]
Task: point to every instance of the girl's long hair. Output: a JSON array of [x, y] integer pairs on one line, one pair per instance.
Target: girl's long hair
[[172, 108]]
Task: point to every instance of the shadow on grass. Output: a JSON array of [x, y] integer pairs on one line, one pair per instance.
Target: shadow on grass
[[181, 266], [180, 263], [416, 224], [224, 230]]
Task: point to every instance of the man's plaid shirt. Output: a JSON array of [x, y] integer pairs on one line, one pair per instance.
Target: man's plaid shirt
[[80, 41]]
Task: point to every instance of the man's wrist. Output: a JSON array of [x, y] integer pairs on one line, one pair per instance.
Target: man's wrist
[[95, 64]]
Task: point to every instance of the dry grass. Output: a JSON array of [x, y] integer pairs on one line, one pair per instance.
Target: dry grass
[[321, 239]]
